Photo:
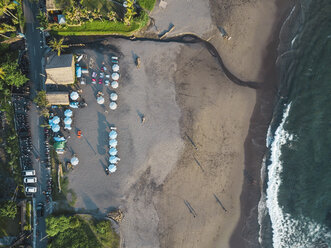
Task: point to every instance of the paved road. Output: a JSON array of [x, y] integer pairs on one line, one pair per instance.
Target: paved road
[[35, 41]]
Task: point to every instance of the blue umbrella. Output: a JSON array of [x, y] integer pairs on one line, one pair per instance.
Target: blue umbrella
[[112, 168], [56, 120], [112, 151], [68, 113], [67, 121], [55, 128]]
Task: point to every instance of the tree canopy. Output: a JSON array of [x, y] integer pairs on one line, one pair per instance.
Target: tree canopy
[[60, 224], [8, 209], [11, 75]]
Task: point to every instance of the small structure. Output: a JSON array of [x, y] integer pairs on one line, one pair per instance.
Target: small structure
[[61, 19], [115, 76], [112, 143], [57, 98], [114, 159], [112, 134], [100, 100], [113, 151], [55, 120], [55, 128], [112, 168], [74, 160], [51, 6], [74, 95], [68, 113], [60, 69], [113, 105], [67, 121], [59, 146], [113, 96], [115, 67], [114, 84]]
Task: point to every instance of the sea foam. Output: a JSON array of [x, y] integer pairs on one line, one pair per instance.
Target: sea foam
[[287, 231]]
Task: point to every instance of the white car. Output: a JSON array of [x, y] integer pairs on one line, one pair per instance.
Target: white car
[[30, 189], [29, 173], [30, 180]]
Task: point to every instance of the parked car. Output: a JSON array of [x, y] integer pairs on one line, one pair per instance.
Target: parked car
[[29, 173], [30, 179], [30, 189]]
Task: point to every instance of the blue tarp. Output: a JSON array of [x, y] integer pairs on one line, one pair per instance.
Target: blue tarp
[[61, 19], [78, 71]]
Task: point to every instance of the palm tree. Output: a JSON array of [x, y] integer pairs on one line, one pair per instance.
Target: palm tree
[[6, 6], [4, 28], [130, 12], [96, 14], [57, 45]]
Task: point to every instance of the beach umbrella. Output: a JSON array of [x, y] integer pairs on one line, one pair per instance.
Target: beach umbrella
[[113, 159], [115, 76], [112, 143], [74, 95], [114, 84], [112, 151], [113, 96], [74, 161], [56, 120], [112, 168], [116, 67], [50, 122], [67, 126], [100, 100], [55, 128], [67, 120], [112, 134], [68, 113], [59, 139], [113, 105]]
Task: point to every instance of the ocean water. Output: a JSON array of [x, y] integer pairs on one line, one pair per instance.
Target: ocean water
[[295, 205]]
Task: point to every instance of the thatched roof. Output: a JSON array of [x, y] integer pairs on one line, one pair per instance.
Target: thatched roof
[[60, 69], [57, 98], [50, 5]]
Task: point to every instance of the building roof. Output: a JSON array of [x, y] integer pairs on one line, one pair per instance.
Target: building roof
[[57, 98], [60, 69], [50, 5]]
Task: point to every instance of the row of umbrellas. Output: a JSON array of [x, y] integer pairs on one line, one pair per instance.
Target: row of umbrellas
[[113, 159]]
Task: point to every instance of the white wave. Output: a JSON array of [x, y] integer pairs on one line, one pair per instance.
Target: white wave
[[287, 231], [269, 137], [262, 207]]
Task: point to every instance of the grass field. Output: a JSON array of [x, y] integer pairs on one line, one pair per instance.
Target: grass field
[[102, 27]]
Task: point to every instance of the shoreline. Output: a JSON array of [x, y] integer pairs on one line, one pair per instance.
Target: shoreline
[[255, 143]]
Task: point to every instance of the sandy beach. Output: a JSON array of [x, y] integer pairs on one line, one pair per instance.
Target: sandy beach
[[182, 173]]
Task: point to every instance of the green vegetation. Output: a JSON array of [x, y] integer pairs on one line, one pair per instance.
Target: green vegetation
[[101, 17], [8, 209], [40, 99], [75, 231], [101, 28], [28, 208], [147, 4]]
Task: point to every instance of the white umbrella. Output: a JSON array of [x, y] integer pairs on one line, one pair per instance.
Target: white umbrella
[[112, 168], [113, 134], [112, 151], [112, 143], [116, 67], [115, 76], [100, 100], [67, 120], [113, 96], [55, 128], [113, 159], [74, 95], [56, 120], [114, 84], [113, 105], [68, 113], [74, 161]]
